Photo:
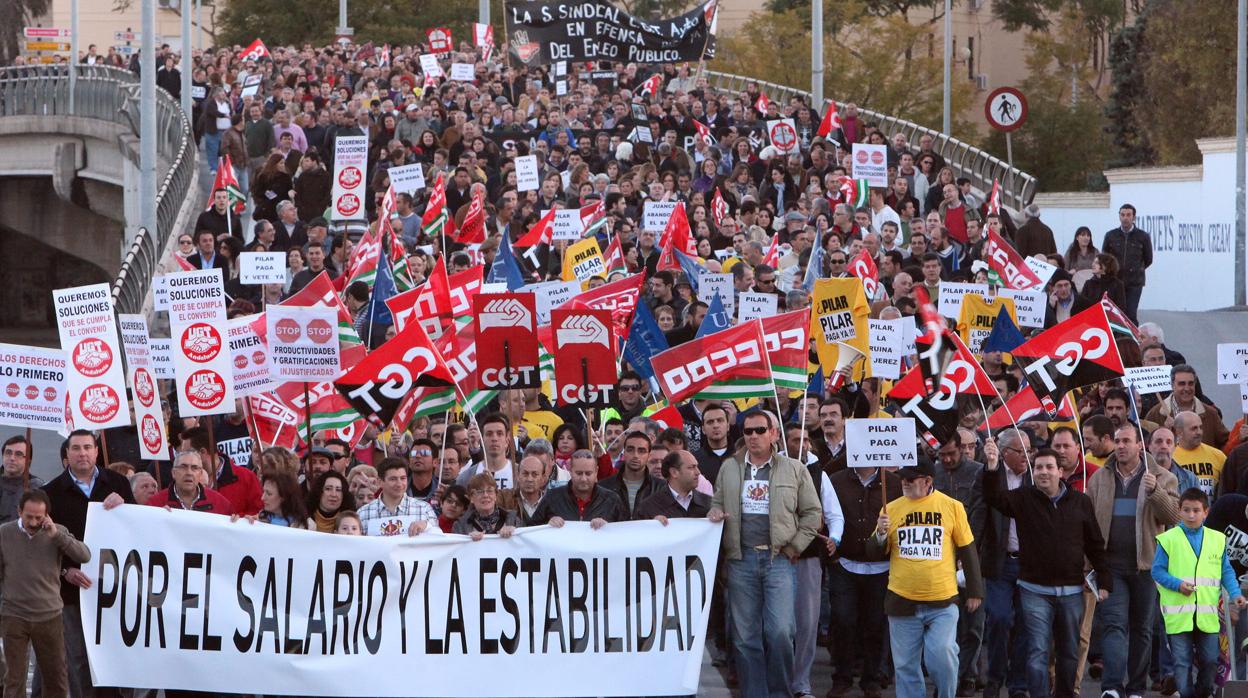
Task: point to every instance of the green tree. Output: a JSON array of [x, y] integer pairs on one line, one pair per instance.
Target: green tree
[[14, 16], [1131, 146]]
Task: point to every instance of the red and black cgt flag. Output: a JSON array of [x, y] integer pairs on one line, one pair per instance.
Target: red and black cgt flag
[[584, 351], [935, 349], [1078, 352], [936, 413], [506, 333], [377, 385]]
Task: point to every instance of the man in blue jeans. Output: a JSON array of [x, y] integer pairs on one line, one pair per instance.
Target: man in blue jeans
[[771, 513], [1056, 531], [1005, 634]]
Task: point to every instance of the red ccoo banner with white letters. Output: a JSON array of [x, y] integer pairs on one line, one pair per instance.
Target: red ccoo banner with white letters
[[95, 378], [201, 356]]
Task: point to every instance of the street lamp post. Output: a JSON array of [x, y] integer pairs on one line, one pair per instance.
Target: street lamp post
[[948, 87], [816, 54]]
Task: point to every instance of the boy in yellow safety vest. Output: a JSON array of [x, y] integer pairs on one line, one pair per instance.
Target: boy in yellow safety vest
[[1191, 568]]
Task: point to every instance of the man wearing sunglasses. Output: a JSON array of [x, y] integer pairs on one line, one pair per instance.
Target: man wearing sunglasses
[[771, 512]]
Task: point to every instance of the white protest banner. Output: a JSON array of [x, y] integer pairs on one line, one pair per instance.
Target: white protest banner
[[391, 525], [1043, 271], [34, 387], [757, 305], [350, 164], [160, 293], [527, 178], [1232, 363], [1148, 379], [871, 443], [887, 339], [95, 378], [462, 72], [162, 358], [262, 267], [951, 293], [205, 377], [654, 214], [567, 224], [871, 164], [1030, 305], [536, 600], [303, 343], [149, 415], [711, 283], [783, 136], [407, 179], [550, 295], [250, 358]]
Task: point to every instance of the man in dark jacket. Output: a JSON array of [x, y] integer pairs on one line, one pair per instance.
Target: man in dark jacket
[[1057, 529], [633, 484], [214, 219], [582, 499], [1005, 638], [679, 500], [1134, 249], [82, 482], [1034, 237]]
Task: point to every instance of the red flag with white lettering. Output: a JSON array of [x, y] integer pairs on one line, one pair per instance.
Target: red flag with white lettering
[[506, 335], [863, 267], [620, 297], [1009, 264], [378, 384], [686, 369], [1078, 352], [584, 352]]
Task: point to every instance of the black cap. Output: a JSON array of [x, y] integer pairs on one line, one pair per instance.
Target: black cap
[[321, 451], [923, 469]]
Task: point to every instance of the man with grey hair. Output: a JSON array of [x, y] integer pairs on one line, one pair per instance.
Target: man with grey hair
[[1152, 335], [288, 226], [1034, 237], [542, 450]]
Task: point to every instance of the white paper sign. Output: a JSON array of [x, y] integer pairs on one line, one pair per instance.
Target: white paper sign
[[757, 305], [654, 214], [871, 443], [887, 345], [149, 414], [1030, 305], [160, 293], [1243, 397], [550, 295], [201, 357], [95, 377], [251, 85], [250, 357], [783, 135], [1148, 379], [951, 293], [709, 284], [567, 224], [350, 169], [561, 88], [262, 267], [303, 343], [871, 164], [909, 331], [462, 72], [429, 65], [162, 358], [1041, 269], [407, 179], [34, 387], [527, 178], [1232, 363]]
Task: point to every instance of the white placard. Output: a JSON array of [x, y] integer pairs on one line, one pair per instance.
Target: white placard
[[250, 358], [642, 134], [1148, 379], [871, 443], [462, 72], [654, 214], [262, 267], [567, 224], [757, 305], [160, 293], [407, 179], [783, 136], [561, 69], [527, 178], [34, 387], [201, 357], [149, 415], [429, 65], [710, 283], [1232, 363], [1243, 397], [871, 164], [95, 377], [1043, 270], [431, 577], [887, 345], [303, 343], [909, 331], [251, 85], [162, 358], [951, 293], [350, 171], [550, 295], [1030, 305], [561, 88]]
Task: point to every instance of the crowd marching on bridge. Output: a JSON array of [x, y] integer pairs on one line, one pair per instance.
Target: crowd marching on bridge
[[1054, 523]]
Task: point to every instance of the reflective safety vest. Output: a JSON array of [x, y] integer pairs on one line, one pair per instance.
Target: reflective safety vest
[[1200, 610]]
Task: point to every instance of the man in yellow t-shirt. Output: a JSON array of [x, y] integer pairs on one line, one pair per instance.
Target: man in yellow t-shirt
[[1201, 459], [927, 536]]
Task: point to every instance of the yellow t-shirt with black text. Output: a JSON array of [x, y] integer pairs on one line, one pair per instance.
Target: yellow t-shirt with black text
[[1205, 462], [923, 540]]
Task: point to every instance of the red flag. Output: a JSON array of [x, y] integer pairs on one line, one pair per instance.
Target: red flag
[[435, 210], [762, 103], [226, 180], [1025, 406], [541, 233], [652, 84], [1009, 264], [255, 51], [772, 258], [936, 412], [1118, 320], [719, 210], [686, 369], [863, 267], [704, 132], [473, 229], [378, 384], [463, 287], [934, 351], [677, 232], [1078, 352], [669, 417], [620, 297], [994, 199], [506, 334], [831, 121], [614, 256], [584, 352], [319, 291], [275, 423]]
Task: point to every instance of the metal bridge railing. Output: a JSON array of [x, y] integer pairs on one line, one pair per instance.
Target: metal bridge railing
[[111, 94], [1017, 187]]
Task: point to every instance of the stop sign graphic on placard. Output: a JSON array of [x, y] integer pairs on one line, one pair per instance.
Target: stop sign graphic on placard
[[320, 331], [288, 330]]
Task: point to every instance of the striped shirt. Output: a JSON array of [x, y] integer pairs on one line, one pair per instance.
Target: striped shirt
[[409, 506]]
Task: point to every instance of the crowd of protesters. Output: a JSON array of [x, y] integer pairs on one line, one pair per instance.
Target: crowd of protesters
[[1010, 563]]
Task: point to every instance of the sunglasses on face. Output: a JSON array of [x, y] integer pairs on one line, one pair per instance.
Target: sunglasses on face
[[754, 431]]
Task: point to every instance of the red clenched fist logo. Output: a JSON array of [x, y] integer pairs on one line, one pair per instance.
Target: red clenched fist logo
[[92, 358], [99, 403], [320, 331], [205, 389], [201, 342], [288, 330]]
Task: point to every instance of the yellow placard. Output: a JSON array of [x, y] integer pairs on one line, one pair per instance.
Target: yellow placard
[[838, 316]]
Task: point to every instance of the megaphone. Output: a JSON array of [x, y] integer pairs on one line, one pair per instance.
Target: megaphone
[[846, 356]]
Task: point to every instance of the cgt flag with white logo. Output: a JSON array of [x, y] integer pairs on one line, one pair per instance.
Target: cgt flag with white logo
[[936, 413], [737, 352], [1078, 352], [584, 349], [506, 335], [377, 386]]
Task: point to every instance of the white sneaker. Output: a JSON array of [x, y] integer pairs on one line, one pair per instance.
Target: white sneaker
[[1109, 694]]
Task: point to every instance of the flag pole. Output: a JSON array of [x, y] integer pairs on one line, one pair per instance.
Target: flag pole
[[30, 457], [801, 443], [307, 416]]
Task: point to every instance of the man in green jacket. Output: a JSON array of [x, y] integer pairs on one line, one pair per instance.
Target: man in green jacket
[[770, 513]]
